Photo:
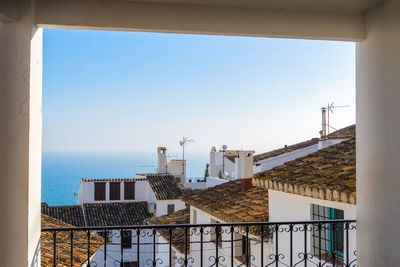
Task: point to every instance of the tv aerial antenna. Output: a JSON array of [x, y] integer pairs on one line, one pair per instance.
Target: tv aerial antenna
[[182, 143], [326, 117]]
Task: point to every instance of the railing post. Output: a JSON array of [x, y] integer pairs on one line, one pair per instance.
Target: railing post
[[291, 244], [277, 245], [216, 245], [72, 248], [201, 246], [262, 245], [170, 246], [333, 244], [319, 243], [122, 247], [54, 249], [138, 245], [347, 243], [305, 244], [105, 247], [88, 248], [247, 246], [154, 247], [232, 245], [186, 246]]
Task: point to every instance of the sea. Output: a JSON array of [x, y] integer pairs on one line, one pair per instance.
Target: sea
[[62, 173]]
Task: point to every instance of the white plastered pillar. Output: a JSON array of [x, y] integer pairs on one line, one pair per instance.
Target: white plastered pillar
[[20, 138], [378, 139]]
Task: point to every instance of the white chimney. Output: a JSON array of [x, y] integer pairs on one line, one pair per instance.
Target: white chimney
[[244, 165], [212, 168], [161, 159]]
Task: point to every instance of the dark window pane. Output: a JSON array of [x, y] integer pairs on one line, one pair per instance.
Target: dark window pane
[[99, 191], [129, 190], [171, 208], [126, 239], [115, 191]]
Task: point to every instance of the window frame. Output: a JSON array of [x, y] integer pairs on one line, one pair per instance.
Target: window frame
[[332, 240], [115, 195], [97, 193], [129, 195]]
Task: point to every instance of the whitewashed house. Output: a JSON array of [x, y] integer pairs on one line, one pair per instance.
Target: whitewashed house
[[160, 191], [233, 201], [319, 186], [225, 165], [122, 202]]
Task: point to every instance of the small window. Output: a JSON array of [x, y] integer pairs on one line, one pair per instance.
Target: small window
[[126, 239], [171, 208], [99, 191], [330, 240], [115, 191], [129, 190]]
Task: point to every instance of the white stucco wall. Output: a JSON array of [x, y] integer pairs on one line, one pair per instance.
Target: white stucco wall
[[290, 207], [162, 253], [143, 192], [20, 135], [220, 163], [162, 206], [378, 131], [114, 249], [213, 181]]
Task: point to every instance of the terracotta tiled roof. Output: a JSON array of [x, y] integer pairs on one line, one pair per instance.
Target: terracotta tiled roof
[[230, 203], [347, 132], [116, 213], [69, 214], [329, 174], [63, 241], [178, 234], [113, 179], [165, 186]]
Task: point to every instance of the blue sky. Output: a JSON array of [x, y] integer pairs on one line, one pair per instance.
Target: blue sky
[[131, 92]]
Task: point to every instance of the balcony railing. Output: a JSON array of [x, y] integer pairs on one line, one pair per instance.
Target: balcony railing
[[307, 243]]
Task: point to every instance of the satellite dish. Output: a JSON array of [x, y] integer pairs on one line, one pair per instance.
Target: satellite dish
[[224, 147]]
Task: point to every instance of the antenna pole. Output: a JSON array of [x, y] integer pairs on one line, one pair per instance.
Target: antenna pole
[[183, 156], [328, 118]]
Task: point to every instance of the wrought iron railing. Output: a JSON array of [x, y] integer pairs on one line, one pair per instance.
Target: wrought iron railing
[[307, 243]]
